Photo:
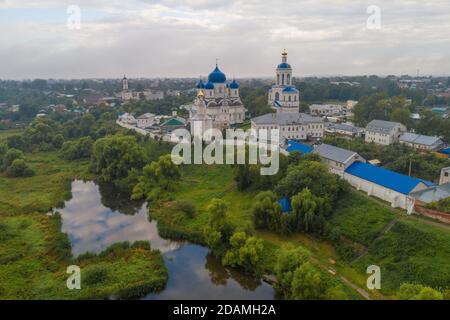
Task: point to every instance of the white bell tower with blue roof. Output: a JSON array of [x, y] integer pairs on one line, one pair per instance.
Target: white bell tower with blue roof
[[283, 96]]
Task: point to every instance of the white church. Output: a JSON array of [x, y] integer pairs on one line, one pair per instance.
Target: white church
[[217, 104]]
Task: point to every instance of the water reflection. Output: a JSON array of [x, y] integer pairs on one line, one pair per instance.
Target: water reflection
[[97, 216], [191, 278], [93, 227]]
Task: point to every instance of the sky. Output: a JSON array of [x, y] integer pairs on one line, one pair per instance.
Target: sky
[[175, 38]]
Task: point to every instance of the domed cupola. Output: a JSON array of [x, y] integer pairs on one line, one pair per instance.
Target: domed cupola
[[209, 86], [200, 84], [234, 85], [284, 65], [217, 76]]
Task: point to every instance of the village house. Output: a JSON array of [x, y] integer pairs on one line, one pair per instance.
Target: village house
[[421, 142], [384, 132]]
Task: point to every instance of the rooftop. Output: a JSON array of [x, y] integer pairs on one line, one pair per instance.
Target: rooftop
[[286, 119], [386, 178], [382, 126], [297, 146], [285, 204], [419, 139], [334, 153], [433, 194]]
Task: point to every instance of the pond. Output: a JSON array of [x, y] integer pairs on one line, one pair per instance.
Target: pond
[[97, 216]]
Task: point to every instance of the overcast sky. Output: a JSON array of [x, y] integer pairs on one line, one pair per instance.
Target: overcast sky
[[175, 38]]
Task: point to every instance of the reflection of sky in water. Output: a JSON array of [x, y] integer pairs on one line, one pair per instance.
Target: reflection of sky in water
[[193, 274], [190, 277], [93, 227]]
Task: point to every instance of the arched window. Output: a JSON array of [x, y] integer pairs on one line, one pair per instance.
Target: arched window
[[289, 98], [282, 79], [288, 79], [277, 96], [278, 79]]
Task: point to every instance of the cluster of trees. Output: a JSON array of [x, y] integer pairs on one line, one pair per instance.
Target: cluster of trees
[[380, 107], [13, 163], [236, 247], [298, 278], [396, 157], [157, 178], [410, 291], [312, 191], [442, 205]]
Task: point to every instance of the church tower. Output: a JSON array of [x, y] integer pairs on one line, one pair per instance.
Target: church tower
[[283, 96], [124, 83]]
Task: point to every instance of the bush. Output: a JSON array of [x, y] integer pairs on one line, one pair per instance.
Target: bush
[[95, 274], [19, 168], [186, 207], [10, 156]]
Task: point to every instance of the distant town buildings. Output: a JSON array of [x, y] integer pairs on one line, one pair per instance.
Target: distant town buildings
[[149, 94], [384, 132], [145, 120], [325, 109], [445, 176]]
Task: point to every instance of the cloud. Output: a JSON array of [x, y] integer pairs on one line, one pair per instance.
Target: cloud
[[172, 38]]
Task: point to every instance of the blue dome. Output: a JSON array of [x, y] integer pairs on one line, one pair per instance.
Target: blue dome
[[217, 76], [290, 90], [209, 85], [284, 65], [234, 85], [200, 84]]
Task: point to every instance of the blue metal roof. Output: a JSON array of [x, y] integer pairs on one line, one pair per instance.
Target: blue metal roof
[[200, 84], [217, 76], [297, 146], [445, 151], [386, 178], [209, 85], [285, 204]]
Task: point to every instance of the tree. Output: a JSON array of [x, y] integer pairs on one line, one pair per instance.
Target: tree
[[265, 210], [307, 283], [244, 252], [157, 177], [289, 258], [304, 206], [410, 291], [11, 155], [401, 115], [114, 157], [19, 168], [79, 149]]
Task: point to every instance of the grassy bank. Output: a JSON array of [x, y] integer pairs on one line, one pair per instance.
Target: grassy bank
[[34, 256]]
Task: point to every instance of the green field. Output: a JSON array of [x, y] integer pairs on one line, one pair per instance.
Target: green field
[[360, 219], [411, 252]]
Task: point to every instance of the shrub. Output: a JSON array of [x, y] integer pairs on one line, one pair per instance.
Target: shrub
[[19, 168], [186, 207], [95, 274]]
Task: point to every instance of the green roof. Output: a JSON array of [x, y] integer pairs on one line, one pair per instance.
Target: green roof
[[172, 122]]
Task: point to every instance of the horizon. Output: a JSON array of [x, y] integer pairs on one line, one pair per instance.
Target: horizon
[[182, 39]]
